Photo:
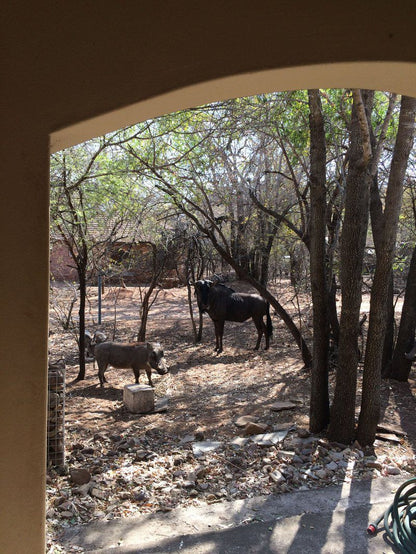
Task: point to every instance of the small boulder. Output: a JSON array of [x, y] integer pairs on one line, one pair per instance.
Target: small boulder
[[242, 421], [80, 476], [254, 429]]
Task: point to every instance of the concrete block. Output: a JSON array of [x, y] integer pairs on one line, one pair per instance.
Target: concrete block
[[139, 399]]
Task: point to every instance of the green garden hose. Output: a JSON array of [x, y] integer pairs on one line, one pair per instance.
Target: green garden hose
[[400, 519]]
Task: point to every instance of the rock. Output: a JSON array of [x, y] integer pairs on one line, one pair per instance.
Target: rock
[[161, 405], [254, 429], [200, 448], [282, 405], [201, 472], [98, 493], [269, 439], [139, 495], [393, 470], [239, 442], [141, 455], [188, 484], [321, 473], [373, 465], [186, 439], [335, 456], [303, 433], [277, 476], [332, 466], [389, 437], [242, 421], [82, 490], [393, 429], [178, 460], [309, 473], [80, 476], [88, 451]]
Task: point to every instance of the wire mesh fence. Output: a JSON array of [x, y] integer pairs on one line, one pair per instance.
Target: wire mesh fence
[[56, 414]]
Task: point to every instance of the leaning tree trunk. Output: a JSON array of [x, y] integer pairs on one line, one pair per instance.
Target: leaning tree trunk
[[354, 234], [319, 403], [370, 402]]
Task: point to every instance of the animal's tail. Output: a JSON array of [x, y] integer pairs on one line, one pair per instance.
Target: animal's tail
[[269, 322]]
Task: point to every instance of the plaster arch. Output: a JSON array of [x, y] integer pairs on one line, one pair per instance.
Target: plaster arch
[[387, 76]]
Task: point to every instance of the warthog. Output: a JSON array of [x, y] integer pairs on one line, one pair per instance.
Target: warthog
[[135, 356]]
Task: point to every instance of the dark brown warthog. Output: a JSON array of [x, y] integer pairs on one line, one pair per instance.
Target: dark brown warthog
[[135, 356]]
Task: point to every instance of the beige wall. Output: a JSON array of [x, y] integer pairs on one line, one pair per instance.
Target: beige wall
[[72, 70]]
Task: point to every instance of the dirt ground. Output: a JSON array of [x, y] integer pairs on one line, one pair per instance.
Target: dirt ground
[[145, 463]]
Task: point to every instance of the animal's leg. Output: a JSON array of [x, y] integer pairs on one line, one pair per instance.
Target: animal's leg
[[136, 374], [101, 370], [260, 329], [149, 375], [219, 332], [266, 334]]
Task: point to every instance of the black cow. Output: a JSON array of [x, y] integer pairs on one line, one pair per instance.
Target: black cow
[[222, 304]]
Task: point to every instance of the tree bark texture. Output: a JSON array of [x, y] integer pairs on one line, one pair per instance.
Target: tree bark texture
[[370, 403], [342, 424], [82, 297], [401, 366], [319, 403]]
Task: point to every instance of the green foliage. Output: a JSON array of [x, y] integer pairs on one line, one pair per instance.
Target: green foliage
[[204, 164]]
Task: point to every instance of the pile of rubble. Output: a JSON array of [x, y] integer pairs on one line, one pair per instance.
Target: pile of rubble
[[113, 476]]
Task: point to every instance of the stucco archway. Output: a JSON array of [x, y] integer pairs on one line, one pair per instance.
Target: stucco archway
[[77, 71]]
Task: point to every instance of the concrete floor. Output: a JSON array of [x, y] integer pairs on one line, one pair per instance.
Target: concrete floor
[[329, 520]]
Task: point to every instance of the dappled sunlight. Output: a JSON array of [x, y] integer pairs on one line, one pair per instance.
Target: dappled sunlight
[[146, 463]]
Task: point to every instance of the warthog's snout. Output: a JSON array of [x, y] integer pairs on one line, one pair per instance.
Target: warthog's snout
[[158, 360]]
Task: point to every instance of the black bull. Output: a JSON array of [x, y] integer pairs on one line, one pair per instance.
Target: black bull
[[222, 304]]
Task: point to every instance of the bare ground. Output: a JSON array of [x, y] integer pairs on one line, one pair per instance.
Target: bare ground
[[145, 463]]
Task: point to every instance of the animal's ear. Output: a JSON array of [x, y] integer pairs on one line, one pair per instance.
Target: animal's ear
[[215, 280]]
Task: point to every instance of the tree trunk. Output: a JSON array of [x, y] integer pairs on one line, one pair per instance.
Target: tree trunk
[[342, 424], [401, 366], [81, 343], [377, 225], [141, 335], [370, 403], [319, 402]]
